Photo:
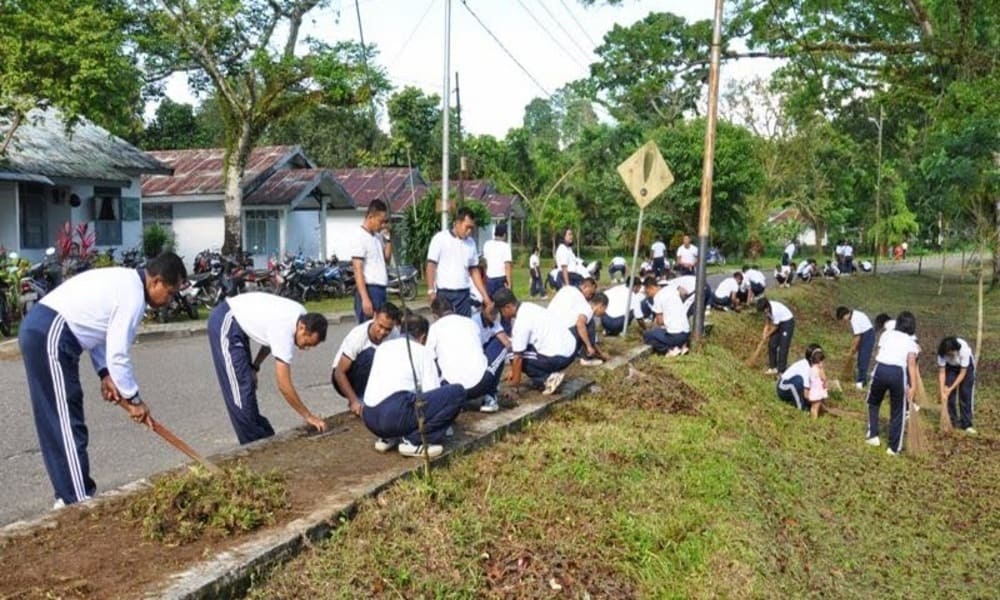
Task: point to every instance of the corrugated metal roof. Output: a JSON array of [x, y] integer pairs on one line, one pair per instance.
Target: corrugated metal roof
[[198, 172], [290, 186], [43, 146], [387, 183]]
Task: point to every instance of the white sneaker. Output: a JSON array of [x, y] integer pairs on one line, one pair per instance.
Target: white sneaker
[[408, 449], [970, 431], [859, 385], [891, 452], [685, 350], [490, 404], [58, 504], [552, 383], [771, 371], [873, 441], [384, 445], [674, 352], [591, 362]]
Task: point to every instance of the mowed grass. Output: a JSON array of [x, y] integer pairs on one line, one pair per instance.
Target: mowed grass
[[695, 482]]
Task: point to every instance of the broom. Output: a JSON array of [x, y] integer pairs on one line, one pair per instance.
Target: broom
[[916, 437], [847, 372], [945, 421], [756, 353]]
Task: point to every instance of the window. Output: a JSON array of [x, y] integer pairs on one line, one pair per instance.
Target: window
[[34, 216], [158, 214], [108, 217], [262, 232]]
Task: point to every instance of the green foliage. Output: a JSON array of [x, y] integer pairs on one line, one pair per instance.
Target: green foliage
[[414, 115], [175, 127], [156, 239], [183, 507], [420, 223]]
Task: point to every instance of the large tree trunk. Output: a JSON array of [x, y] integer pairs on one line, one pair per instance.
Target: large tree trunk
[[996, 244], [234, 165]]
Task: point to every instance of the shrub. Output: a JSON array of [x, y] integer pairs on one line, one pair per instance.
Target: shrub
[[156, 239]]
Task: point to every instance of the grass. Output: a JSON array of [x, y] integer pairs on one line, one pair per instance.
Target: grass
[[695, 482]]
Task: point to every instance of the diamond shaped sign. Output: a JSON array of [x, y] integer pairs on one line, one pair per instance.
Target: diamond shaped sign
[[646, 174]]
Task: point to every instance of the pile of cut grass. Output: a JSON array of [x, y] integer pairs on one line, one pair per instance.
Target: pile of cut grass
[[693, 482]]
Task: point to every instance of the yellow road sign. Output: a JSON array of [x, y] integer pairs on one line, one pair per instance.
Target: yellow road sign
[[646, 174]]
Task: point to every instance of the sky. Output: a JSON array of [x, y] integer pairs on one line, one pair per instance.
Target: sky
[[552, 39]]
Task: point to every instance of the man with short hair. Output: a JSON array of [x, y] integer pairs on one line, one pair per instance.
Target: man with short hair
[[659, 252], [404, 366], [453, 264], [371, 249], [280, 326], [726, 295], [98, 311], [575, 308], [755, 280], [613, 319], [541, 347], [352, 364], [499, 261], [687, 257], [461, 357]]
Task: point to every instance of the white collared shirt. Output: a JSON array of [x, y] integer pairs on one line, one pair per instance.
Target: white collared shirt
[[454, 257], [618, 301], [565, 257], [454, 340], [964, 358], [659, 249], [368, 247], [754, 276], [894, 347], [567, 306], [103, 308], [391, 371], [860, 322], [801, 368], [497, 254], [687, 255], [779, 312], [269, 320], [727, 286], [357, 341], [534, 326], [667, 302]]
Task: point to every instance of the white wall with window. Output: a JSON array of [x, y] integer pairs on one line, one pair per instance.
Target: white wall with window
[[262, 233], [197, 226]]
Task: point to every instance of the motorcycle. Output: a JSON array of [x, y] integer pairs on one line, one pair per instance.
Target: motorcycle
[[39, 279], [403, 282], [714, 256]]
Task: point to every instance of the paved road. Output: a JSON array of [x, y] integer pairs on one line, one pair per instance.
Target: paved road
[[180, 386]]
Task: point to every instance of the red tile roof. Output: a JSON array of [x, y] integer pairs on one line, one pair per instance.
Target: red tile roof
[[287, 186], [199, 171], [387, 183]]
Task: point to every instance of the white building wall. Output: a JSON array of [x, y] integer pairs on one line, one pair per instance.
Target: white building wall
[[303, 233], [9, 222], [197, 226], [340, 225]]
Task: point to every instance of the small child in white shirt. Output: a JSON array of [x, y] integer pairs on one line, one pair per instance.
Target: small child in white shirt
[[817, 392]]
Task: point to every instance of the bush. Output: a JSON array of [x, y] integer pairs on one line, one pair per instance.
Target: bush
[[156, 239]]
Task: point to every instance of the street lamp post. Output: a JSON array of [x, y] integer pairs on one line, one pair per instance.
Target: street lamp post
[[878, 187]]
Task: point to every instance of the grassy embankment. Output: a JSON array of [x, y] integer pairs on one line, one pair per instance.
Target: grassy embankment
[[696, 482]]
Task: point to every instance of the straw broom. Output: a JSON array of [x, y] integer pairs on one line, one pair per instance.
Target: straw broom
[[847, 372], [756, 353], [916, 437], [945, 421]]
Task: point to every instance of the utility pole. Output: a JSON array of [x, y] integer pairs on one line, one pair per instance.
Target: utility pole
[[445, 116], [878, 188], [707, 172], [458, 142]]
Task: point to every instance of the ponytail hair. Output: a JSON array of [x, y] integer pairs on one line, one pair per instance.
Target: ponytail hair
[[815, 354]]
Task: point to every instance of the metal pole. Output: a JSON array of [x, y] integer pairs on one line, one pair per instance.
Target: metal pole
[[445, 116], [631, 273], [878, 192], [705, 214]]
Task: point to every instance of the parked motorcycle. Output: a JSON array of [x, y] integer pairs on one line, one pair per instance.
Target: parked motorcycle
[[40, 279], [714, 256], [403, 282]]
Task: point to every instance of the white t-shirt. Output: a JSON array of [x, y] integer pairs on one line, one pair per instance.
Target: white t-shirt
[[103, 308], [790, 249], [533, 261], [391, 371], [848, 250], [269, 320], [727, 286], [368, 247], [667, 302], [754, 276], [565, 257], [567, 306], [357, 341], [618, 301], [454, 257], [783, 270], [534, 326], [801, 368], [964, 358], [688, 282], [486, 330], [659, 249], [838, 250], [805, 268], [780, 312], [497, 255], [687, 255], [618, 261], [890, 325], [894, 347], [454, 340], [860, 322]]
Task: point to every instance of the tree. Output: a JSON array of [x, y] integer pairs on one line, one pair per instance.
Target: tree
[[175, 126], [413, 118], [70, 54], [245, 53]]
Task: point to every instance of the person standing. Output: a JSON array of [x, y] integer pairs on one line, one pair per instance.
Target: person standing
[[352, 364], [659, 252], [687, 257], [862, 343], [535, 270], [453, 265], [895, 369], [957, 381], [566, 262], [499, 261], [97, 311], [779, 326], [788, 254], [371, 250], [280, 326], [405, 366]]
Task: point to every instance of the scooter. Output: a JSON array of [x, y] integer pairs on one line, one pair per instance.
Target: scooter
[[403, 282], [39, 280]]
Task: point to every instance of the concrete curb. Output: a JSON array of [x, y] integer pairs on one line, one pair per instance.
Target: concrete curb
[[230, 574]]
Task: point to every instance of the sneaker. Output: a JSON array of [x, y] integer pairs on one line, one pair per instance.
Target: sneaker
[[684, 350], [891, 452], [384, 445], [859, 385], [490, 404], [408, 449], [58, 504], [591, 362], [970, 431], [873, 441], [552, 383], [771, 371], [674, 352]]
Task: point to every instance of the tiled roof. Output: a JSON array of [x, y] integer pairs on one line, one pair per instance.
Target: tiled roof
[[365, 184], [198, 172], [42, 147], [291, 186]]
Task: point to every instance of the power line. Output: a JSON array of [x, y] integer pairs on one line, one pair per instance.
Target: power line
[[409, 38], [572, 15], [549, 33], [563, 29], [504, 48]]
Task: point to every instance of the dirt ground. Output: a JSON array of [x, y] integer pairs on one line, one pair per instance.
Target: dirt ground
[[95, 552]]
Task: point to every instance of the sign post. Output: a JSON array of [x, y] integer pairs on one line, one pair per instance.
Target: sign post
[[646, 176]]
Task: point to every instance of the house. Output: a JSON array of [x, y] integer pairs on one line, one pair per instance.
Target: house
[[286, 201], [806, 234], [51, 175]]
